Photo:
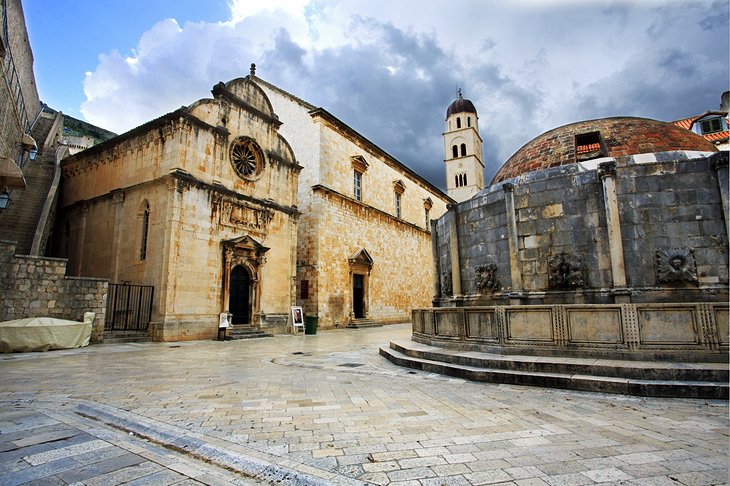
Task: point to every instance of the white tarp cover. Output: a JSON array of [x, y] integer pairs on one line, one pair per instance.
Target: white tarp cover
[[43, 334]]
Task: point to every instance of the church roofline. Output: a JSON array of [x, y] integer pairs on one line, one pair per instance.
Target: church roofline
[[295, 98], [181, 113], [343, 127], [319, 111]]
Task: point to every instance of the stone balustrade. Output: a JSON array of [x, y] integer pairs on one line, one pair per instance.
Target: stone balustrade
[[686, 331]]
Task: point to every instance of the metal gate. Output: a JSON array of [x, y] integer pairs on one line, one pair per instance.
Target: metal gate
[[128, 307]]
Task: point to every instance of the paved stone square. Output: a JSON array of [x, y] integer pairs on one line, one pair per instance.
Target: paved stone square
[[327, 409]]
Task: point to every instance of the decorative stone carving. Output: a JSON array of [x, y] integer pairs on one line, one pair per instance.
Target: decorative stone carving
[[607, 169], [245, 217], [485, 277], [446, 285], [565, 271], [676, 265]]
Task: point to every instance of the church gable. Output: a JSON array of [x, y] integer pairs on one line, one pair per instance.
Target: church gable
[[248, 92]]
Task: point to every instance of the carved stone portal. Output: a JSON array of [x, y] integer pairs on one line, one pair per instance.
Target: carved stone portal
[[485, 277], [676, 265], [565, 271]]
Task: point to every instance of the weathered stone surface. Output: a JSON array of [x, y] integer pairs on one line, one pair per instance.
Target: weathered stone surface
[[562, 210], [24, 292], [689, 331]]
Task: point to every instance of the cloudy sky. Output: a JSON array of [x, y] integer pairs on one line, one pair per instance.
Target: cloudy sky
[[390, 68]]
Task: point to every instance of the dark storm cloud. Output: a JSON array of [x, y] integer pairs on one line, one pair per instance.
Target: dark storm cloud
[[393, 88], [390, 73]]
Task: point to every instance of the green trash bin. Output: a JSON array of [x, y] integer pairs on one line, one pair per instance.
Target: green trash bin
[[310, 327]]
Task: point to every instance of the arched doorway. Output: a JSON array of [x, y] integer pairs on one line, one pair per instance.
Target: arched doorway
[[239, 300]]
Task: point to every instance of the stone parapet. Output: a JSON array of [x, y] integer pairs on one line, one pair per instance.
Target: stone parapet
[[39, 287], [687, 331]]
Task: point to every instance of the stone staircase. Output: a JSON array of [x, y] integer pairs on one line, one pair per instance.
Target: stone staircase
[[118, 337], [27, 204], [641, 378], [244, 331], [362, 323]]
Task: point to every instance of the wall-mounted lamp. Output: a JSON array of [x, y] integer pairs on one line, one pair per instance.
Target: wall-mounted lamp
[[4, 199], [30, 146]]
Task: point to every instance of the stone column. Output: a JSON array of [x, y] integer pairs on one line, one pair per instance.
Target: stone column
[[515, 266], [81, 243], [720, 164], [435, 266], [454, 249], [118, 204], [607, 173]]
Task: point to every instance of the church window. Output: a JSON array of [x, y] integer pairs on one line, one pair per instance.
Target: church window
[[357, 185], [398, 188], [468, 121], [145, 224], [461, 180], [458, 122], [455, 151], [463, 150], [247, 158], [427, 205]]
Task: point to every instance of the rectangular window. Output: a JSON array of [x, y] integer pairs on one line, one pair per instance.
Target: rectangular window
[[428, 220], [711, 126], [397, 205], [589, 146], [358, 186]]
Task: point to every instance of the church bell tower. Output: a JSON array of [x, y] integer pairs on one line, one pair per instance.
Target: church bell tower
[[463, 151]]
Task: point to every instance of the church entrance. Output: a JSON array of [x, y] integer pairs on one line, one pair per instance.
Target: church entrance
[[239, 301], [358, 296]]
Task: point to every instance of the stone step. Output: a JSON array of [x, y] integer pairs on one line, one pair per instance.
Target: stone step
[[117, 337], [245, 332], [363, 323], [685, 380]]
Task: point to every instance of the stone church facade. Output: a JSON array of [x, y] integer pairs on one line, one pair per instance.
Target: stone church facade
[[200, 203], [364, 238]]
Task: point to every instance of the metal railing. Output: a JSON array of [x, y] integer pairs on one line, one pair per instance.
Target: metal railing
[[128, 307]]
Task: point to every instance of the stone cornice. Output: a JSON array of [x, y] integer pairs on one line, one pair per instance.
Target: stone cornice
[[398, 221], [278, 158], [167, 120], [220, 90], [183, 178]]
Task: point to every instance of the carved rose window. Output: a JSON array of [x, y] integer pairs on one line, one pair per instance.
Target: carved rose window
[[246, 158]]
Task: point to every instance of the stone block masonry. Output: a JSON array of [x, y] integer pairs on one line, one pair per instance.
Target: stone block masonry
[[39, 287], [620, 226]]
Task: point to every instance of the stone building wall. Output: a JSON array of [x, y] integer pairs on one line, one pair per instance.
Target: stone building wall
[[337, 147], [669, 205], [393, 285], [180, 169], [17, 73], [38, 287], [333, 227]]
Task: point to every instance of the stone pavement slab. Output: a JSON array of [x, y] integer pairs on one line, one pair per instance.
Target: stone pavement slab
[[327, 409]]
